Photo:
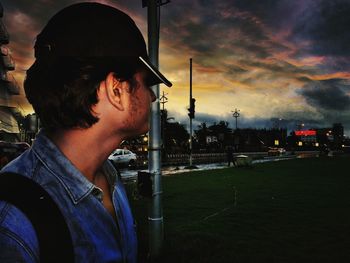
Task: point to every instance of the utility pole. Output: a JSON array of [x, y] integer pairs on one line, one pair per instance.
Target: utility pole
[[155, 217], [163, 99], [164, 115], [235, 115], [191, 112]]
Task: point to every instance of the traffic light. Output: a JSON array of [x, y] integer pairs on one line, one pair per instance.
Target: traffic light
[[191, 110]]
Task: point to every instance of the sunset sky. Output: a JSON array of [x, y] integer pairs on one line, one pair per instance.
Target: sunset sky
[[271, 59]]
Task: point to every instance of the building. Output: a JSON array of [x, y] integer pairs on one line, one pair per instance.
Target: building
[[259, 139], [330, 137], [9, 129]]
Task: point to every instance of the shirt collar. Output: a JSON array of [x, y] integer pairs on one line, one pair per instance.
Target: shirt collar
[[72, 180]]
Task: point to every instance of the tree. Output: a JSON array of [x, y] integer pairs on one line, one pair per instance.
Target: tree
[[220, 131], [174, 135], [223, 133], [201, 134]]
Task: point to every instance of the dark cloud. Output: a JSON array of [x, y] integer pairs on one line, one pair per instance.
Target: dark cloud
[[210, 31], [250, 80], [327, 95], [304, 79], [333, 64], [274, 13], [251, 47], [40, 10], [248, 26], [233, 70], [326, 24], [197, 38], [206, 30]]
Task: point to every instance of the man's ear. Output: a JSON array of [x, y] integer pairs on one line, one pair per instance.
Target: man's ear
[[115, 90]]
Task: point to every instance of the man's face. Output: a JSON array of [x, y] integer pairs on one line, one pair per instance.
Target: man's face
[[141, 98]]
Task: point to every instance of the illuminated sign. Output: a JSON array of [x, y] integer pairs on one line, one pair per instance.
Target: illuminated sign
[[305, 133]]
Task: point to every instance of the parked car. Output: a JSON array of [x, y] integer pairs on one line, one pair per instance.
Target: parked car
[[275, 151], [123, 157]]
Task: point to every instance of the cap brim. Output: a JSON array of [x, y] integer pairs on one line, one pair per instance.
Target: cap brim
[[157, 77]]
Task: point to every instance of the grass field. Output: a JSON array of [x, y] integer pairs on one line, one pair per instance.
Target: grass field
[[287, 211]]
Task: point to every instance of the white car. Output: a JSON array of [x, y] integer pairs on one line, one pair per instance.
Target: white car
[[123, 157]]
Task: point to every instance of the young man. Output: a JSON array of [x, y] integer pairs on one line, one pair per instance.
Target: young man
[[90, 86]]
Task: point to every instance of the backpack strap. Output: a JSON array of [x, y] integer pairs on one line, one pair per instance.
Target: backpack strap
[[55, 242]]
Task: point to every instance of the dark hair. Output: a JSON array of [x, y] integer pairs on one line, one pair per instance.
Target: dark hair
[[63, 90]]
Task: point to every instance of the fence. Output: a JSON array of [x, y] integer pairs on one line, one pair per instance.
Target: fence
[[197, 158]]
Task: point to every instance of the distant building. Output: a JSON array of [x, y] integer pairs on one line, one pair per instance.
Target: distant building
[[338, 134], [307, 135], [9, 129], [210, 138], [259, 139], [332, 137]]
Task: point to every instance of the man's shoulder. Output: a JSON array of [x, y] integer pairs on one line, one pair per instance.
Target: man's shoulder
[[18, 241], [24, 164]]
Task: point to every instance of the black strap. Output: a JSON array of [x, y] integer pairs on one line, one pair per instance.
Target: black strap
[[55, 242]]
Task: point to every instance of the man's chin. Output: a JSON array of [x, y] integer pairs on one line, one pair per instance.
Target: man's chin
[[138, 132]]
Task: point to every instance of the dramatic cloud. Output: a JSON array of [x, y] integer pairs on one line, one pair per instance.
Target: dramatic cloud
[[326, 24], [278, 59], [328, 94]]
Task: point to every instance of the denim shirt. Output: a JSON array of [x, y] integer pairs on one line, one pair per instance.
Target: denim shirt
[[96, 236]]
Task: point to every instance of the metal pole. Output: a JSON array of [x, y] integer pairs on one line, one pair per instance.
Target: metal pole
[[190, 117], [155, 217]]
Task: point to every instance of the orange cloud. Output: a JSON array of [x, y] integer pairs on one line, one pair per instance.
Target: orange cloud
[[337, 75], [204, 69], [307, 61]]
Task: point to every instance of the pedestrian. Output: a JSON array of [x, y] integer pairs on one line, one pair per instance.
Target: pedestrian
[[90, 86], [229, 155]]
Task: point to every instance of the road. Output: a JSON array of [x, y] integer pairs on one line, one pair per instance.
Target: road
[[130, 174]]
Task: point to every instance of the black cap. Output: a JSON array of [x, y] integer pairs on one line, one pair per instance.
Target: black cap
[[95, 30]]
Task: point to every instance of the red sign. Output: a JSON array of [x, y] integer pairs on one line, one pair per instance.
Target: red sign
[[305, 133]]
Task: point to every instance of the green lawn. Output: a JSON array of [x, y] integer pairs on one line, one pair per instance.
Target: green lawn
[[287, 211]]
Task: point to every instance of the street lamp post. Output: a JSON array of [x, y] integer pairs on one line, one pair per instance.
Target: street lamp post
[[236, 115]]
